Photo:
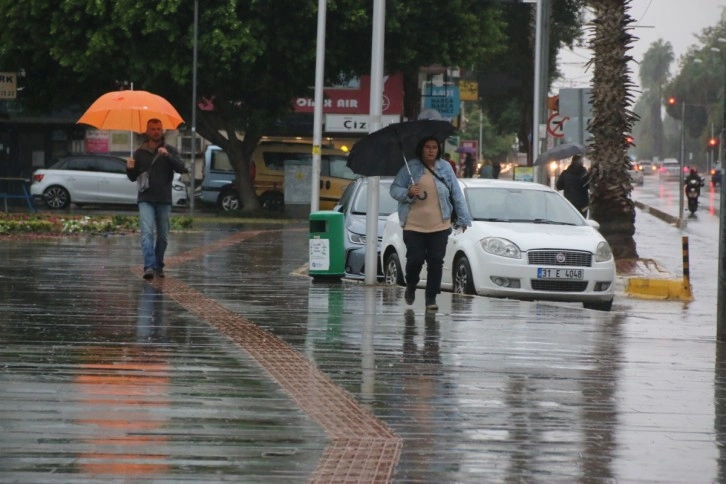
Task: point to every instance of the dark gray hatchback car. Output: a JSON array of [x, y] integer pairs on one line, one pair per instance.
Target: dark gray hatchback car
[[354, 205]]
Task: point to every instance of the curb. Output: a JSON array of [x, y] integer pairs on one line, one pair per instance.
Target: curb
[[666, 217], [661, 288]]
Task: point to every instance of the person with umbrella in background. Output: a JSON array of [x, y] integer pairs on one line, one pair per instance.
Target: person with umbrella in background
[[154, 161], [428, 196], [574, 182]]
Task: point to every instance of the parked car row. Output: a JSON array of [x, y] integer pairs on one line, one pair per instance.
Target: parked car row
[[267, 171], [91, 179]]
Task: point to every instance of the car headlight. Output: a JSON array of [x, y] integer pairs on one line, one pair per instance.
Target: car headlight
[[603, 252], [356, 238], [501, 247]]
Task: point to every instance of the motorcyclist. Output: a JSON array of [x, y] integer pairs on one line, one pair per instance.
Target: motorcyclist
[[693, 176]]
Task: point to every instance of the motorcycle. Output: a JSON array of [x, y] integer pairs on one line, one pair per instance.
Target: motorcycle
[[693, 190]]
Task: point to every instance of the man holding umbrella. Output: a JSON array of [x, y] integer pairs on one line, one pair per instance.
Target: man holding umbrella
[[428, 196], [156, 162]]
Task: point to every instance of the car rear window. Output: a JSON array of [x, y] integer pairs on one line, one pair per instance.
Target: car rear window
[[112, 166], [220, 161], [82, 164], [276, 160]]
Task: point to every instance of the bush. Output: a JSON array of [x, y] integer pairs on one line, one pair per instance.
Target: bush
[[77, 224]]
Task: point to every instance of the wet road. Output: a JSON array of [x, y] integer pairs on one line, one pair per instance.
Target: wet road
[[237, 368]]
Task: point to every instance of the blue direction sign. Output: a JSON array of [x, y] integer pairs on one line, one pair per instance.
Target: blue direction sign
[[444, 99]]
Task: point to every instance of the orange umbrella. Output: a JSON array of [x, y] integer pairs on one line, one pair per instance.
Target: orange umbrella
[[129, 111]]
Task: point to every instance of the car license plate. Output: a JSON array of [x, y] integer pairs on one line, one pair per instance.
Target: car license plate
[[545, 273]]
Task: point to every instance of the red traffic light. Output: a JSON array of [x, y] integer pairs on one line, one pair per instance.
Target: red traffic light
[[713, 142], [629, 140], [672, 101]]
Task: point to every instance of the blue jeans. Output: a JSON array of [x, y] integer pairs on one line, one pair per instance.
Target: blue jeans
[[430, 248], [154, 215]]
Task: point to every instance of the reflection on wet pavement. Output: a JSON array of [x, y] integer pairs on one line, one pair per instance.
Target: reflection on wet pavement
[[104, 377], [234, 368]]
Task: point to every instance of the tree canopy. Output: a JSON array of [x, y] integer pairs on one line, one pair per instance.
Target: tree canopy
[[506, 81], [654, 72], [254, 57]]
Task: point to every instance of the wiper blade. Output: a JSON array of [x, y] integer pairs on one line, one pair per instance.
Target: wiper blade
[[491, 219], [549, 222]]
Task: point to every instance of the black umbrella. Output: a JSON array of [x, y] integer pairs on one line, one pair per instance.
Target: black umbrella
[[560, 152], [384, 152]]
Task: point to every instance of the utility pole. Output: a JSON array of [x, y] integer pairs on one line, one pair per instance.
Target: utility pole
[[681, 220], [541, 61]]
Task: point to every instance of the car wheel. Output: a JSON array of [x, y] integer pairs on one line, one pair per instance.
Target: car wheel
[[393, 273], [56, 197], [463, 278], [272, 201], [599, 305], [229, 200]]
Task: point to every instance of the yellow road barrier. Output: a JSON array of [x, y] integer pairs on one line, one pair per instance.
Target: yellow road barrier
[[655, 288]]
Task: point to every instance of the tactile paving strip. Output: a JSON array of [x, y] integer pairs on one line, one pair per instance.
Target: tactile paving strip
[[362, 448]]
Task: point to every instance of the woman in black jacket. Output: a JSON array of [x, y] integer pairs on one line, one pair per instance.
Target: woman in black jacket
[[574, 182]]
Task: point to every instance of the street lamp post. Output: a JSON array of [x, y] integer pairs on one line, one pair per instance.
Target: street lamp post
[[721, 295], [681, 220], [194, 107]]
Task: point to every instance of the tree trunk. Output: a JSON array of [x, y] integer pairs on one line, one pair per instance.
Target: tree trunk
[[611, 122], [239, 153]]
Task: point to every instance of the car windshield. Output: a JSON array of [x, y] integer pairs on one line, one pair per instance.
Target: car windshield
[[517, 205], [386, 204]]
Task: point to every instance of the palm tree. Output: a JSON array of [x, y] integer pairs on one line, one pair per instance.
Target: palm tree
[[611, 124]]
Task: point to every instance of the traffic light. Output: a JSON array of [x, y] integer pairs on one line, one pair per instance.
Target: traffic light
[[674, 107], [553, 103], [629, 140], [712, 142]]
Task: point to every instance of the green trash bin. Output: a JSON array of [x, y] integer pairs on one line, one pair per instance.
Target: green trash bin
[[327, 244]]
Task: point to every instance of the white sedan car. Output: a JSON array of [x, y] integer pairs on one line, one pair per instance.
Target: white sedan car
[[92, 179], [526, 242]]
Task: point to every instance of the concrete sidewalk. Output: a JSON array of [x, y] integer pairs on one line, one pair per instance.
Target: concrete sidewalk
[[235, 368]]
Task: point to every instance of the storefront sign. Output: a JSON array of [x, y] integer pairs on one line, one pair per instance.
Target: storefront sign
[[356, 100], [8, 85], [360, 123], [96, 141]]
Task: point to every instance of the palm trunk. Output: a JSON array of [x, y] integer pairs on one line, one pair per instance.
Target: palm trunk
[[611, 122]]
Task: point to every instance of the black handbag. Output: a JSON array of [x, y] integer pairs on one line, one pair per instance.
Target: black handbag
[[454, 218]]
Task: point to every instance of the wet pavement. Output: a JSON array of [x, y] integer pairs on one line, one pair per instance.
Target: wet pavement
[[238, 368]]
